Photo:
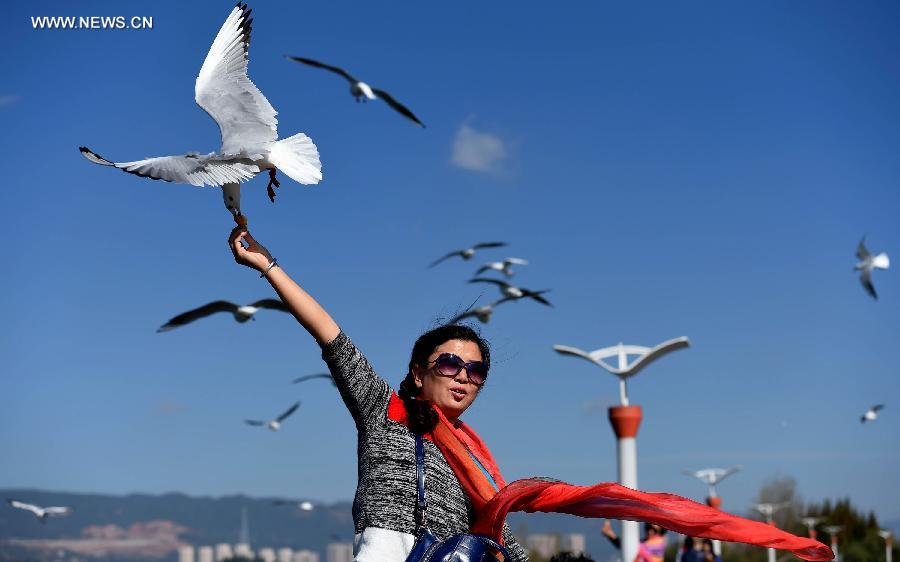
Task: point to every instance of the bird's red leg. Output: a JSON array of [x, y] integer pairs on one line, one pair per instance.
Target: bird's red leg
[[273, 181]]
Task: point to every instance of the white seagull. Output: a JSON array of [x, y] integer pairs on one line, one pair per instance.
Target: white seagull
[[246, 120], [867, 263], [514, 292], [242, 312], [871, 414], [502, 266], [483, 313], [468, 252], [275, 424], [42, 513], [360, 90]]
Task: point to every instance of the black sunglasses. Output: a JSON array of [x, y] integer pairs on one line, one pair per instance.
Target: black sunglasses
[[449, 365]]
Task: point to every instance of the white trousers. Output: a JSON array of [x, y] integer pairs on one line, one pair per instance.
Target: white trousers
[[382, 545]]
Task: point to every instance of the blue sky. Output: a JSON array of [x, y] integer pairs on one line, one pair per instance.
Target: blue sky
[[694, 169]]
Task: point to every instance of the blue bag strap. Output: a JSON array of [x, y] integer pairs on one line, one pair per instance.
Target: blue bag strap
[[421, 502]]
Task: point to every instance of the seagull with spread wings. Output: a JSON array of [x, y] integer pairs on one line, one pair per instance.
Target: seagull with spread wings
[[868, 263], [275, 424], [514, 292], [242, 312], [482, 313], [246, 120], [42, 513], [872, 413], [468, 252], [360, 90], [502, 266]]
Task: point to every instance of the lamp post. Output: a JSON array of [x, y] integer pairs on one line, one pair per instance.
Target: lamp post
[[888, 544], [768, 510], [811, 523], [833, 530], [711, 477], [625, 418]]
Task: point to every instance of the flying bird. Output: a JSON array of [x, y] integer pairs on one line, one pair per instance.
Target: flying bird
[[242, 313], [316, 376], [514, 292], [42, 513], [360, 90], [872, 413], [246, 121], [867, 263], [468, 252], [275, 424], [502, 266], [482, 313]]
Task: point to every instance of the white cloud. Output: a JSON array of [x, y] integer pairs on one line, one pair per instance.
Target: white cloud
[[8, 100], [477, 151]]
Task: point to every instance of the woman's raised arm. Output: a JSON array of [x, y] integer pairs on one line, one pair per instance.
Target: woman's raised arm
[[304, 308]]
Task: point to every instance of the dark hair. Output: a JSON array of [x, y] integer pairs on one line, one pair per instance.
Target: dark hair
[[689, 543], [655, 528], [420, 413]]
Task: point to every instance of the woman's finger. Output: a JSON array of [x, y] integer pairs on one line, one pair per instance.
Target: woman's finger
[[236, 245]]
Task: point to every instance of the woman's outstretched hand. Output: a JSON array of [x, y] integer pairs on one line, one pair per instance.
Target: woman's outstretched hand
[[254, 255]]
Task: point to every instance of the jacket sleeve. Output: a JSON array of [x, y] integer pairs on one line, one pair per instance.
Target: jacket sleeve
[[364, 393]]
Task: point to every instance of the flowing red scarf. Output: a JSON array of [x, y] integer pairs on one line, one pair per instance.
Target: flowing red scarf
[[459, 443]]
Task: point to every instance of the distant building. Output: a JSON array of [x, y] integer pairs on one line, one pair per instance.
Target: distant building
[[542, 544], [205, 554], [284, 555], [574, 543], [186, 553], [267, 555], [223, 551], [242, 550], [339, 552], [306, 556]]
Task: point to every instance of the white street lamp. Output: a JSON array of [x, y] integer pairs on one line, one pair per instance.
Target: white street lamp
[[711, 477], [625, 418], [768, 510], [833, 530], [888, 544], [811, 523]]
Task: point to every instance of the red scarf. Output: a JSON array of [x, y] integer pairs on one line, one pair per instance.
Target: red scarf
[[459, 443]]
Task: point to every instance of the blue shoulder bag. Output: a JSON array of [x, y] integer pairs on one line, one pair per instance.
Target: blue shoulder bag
[[464, 547]]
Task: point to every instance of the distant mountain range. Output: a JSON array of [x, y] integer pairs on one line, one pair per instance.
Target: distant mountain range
[[141, 526]]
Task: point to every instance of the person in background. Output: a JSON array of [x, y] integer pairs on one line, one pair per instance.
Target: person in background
[[653, 547], [708, 554], [689, 552]]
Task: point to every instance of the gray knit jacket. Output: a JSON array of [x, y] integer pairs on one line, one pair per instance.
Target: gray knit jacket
[[386, 492]]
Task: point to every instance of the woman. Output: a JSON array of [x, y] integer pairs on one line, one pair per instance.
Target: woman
[[653, 547], [447, 369]]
